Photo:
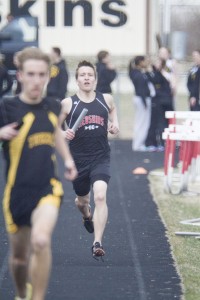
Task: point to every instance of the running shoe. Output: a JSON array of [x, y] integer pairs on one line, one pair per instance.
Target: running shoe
[[28, 293], [151, 148], [97, 251], [88, 223], [160, 149]]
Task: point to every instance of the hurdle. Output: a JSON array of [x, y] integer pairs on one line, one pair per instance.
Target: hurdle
[[184, 127]]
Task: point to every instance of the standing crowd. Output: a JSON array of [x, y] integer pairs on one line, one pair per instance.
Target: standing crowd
[[155, 90]]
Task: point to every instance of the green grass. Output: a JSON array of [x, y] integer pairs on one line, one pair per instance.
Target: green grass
[[185, 250], [126, 115]]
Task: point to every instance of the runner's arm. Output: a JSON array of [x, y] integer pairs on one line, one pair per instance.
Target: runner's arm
[[65, 153], [113, 125], [66, 105]]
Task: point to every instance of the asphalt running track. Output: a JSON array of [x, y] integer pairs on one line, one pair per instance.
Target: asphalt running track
[[138, 264]]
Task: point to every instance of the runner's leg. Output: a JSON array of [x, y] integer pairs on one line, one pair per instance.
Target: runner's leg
[[101, 209], [43, 221], [18, 259]]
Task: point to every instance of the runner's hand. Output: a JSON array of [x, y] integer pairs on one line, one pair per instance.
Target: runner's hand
[[71, 171], [9, 131], [69, 134], [193, 101], [113, 128]]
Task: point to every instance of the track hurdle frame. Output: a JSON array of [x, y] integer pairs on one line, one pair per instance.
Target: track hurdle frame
[[188, 134]]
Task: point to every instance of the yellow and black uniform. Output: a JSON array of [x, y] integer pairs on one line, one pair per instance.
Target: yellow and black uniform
[[31, 177]]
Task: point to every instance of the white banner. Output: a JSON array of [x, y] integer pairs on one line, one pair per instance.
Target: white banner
[[82, 27]]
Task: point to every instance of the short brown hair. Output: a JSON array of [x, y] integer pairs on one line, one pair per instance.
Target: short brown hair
[[101, 55], [31, 53], [85, 63], [57, 50]]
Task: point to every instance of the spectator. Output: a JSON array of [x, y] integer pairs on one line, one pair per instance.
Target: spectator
[[57, 86], [161, 102], [170, 67], [193, 82], [17, 84], [142, 102], [106, 72], [5, 79]]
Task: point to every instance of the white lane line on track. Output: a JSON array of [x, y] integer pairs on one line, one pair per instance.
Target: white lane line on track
[[136, 262]]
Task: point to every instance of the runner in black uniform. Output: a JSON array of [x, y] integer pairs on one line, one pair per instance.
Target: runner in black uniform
[[33, 192], [90, 149]]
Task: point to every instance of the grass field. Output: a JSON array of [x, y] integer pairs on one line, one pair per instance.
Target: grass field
[[126, 115]]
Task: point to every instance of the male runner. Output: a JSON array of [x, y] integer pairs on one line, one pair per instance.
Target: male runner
[[33, 192], [90, 149]]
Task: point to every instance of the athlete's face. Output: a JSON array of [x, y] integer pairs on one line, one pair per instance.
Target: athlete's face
[[34, 77], [86, 79]]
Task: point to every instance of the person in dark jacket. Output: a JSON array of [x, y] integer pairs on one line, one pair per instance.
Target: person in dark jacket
[[193, 82], [57, 86], [170, 68], [161, 102], [16, 83], [5, 80], [106, 72], [141, 100]]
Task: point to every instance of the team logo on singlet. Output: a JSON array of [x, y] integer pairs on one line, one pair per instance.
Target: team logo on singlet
[[41, 138], [93, 122], [91, 127]]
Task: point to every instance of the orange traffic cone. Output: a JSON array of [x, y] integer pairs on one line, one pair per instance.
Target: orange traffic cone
[[139, 171]]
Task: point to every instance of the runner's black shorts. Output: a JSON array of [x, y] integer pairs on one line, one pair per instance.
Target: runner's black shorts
[[19, 203], [90, 172]]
